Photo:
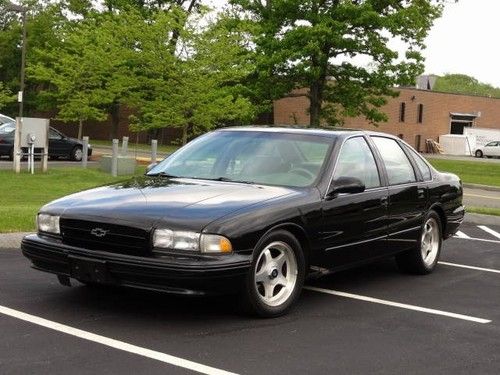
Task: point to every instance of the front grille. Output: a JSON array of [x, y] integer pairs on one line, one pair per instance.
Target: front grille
[[105, 237]]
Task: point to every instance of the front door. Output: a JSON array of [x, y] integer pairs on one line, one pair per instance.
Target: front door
[[354, 226], [407, 196]]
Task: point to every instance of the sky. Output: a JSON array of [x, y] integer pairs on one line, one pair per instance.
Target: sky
[[464, 40]]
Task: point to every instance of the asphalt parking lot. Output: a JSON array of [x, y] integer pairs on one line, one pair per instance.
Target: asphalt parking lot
[[368, 320]]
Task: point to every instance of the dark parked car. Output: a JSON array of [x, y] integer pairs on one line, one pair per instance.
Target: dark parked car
[[60, 146], [252, 211]]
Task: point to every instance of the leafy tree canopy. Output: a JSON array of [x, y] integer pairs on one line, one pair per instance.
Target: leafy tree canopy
[[464, 84], [338, 50]]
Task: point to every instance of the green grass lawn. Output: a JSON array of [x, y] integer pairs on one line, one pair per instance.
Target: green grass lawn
[[473, 172], [140, 146], [23, 194]]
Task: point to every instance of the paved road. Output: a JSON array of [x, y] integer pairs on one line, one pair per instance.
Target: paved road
[[324, 334], [5, 164], [481, 198], [461, 158]]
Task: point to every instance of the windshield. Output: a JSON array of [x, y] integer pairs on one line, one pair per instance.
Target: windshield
[[5, 119], [250, 156], [7, 128]]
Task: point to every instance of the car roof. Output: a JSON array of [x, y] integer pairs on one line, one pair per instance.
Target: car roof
[[325, 132]]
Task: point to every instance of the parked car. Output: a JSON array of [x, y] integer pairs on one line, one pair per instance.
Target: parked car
[[253, 211], [60, 146], [490, 150]]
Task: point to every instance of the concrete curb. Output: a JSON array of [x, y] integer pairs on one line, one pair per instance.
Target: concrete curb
[[483, 187], [11, 240]]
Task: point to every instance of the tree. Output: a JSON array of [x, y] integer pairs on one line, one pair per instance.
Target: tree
[[201, 88], [6, 96], [464, 84], [317, 44]]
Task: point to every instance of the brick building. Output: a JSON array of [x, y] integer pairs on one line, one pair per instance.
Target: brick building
[[416, 115]]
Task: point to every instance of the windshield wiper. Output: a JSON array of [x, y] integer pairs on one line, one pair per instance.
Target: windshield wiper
[[162, 174], [227, 179]]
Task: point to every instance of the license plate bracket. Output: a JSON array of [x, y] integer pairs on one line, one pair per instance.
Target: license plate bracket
[[89, 270]]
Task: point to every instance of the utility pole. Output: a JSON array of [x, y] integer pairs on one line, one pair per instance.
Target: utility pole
[[23, 10]]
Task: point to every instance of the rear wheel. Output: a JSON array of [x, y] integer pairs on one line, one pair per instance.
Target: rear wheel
[[276, 277], [479, 154], [424, 257], [76, 154], [11, 154]]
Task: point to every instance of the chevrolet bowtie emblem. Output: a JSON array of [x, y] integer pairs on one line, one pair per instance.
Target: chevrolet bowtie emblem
[[99, 232]]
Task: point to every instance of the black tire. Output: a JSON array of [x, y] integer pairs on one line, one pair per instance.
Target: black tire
[[11, 154], [76, 154], [479, 154], [251, 299], [413, 261]]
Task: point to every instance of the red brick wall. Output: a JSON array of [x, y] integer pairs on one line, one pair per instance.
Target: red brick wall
[[436, 113]]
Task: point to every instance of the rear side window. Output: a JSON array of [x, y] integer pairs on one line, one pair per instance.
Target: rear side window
[[397, 164], [421, 164], [356, 160]]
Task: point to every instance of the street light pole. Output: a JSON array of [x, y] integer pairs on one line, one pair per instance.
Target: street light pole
[[23, 10]]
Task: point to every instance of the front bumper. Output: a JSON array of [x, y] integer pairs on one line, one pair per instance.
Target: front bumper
[[189, 275]]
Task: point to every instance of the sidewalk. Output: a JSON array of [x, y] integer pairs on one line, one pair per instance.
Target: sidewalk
[[11, 240]]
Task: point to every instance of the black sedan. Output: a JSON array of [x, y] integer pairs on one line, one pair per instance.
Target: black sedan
[[254, 211], [60, 146]]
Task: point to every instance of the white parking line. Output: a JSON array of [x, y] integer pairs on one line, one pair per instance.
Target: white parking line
[[120, 345], [476, 239], [470, 267], [461, 234], [490, 231], [399, 305]]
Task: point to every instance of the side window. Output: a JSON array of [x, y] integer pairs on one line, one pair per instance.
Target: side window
[[399, 168], [53, 134], [422, 165], [356, 160]]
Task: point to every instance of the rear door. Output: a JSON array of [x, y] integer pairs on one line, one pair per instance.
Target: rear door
[[407, 195], [354, 226]]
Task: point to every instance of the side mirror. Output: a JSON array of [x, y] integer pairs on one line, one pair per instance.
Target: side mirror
[[345, 185], [151, 166]]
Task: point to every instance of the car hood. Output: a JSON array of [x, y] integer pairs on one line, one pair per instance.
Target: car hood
[[145, 202]]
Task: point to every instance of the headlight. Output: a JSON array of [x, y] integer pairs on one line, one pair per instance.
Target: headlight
[[191, 241], [48, 223]]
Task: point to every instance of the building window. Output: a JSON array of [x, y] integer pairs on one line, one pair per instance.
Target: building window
[[420, 113], [402, 110]]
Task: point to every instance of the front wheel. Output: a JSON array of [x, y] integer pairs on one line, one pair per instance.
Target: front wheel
[[76, 154], [479, 154], [276, 277], [424, 257]]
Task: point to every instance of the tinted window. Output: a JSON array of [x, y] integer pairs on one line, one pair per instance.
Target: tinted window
[[422, 165], [491, 144], [399, 168], [251, 156], [356, 160], [53, 134]]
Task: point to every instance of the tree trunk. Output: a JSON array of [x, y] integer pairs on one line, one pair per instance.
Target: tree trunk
[[80, 129], [185, 130], [115, 119], [315, 100]]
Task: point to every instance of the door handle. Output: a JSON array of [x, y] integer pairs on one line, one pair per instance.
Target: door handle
[[384, 201], [421, 193]]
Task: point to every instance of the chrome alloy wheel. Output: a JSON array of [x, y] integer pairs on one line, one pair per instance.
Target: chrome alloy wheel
[[275, 273], [78, 154], [429, 245]]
